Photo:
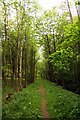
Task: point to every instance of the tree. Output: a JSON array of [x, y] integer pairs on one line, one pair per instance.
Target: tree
[[69, 11]]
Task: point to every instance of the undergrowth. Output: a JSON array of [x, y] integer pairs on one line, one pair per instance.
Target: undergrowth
[[61, 104], [25, 104]]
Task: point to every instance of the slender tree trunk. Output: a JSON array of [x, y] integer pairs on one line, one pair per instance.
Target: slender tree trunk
[[16, 73], [78, 46], [78, 65], [4, 47], [70, 14], [50, 67], [3, 70], [20, 74], [12, 74], [54, 42], [32, 65], [17, 82], [26, 76], [78, 14]]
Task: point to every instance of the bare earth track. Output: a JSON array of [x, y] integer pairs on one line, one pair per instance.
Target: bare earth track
[[44, 106]]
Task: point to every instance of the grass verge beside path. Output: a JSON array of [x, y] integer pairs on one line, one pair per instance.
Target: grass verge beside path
[[25, 104], [61, 104]]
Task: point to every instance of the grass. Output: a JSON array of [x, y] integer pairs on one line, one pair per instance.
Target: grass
[[25, 104], [61, 104]]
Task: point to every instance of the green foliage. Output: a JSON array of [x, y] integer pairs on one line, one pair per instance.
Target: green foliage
[[61, 104], [22, 35], [25, 104], [67, 54], [61, 60]]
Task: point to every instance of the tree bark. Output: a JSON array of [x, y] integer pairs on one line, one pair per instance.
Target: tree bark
[[50, 67], [70, 14], [77, 12], [11, 66], [26, 76], [20, 72], [4, 47], [32, 65]]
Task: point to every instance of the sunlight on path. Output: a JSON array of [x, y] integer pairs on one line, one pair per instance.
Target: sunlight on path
[[44, 106]]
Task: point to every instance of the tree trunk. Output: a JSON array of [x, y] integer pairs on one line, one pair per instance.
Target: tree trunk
[[50, 67], [20, 72], [54, 42], [12, 74], [4, 82], [70, 14], [77, 9], [32, 65], [26, 69], [4, 47]]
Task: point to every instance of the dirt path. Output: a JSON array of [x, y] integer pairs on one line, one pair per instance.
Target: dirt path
[[44, 107]]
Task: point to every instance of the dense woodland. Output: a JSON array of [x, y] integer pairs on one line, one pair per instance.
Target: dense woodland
[[38, 43], [41, 47]]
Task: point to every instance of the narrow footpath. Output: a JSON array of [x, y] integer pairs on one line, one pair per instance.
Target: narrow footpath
[[44, 106]]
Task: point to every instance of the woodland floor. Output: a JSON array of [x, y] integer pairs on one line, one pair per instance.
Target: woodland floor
[[42, 100]]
